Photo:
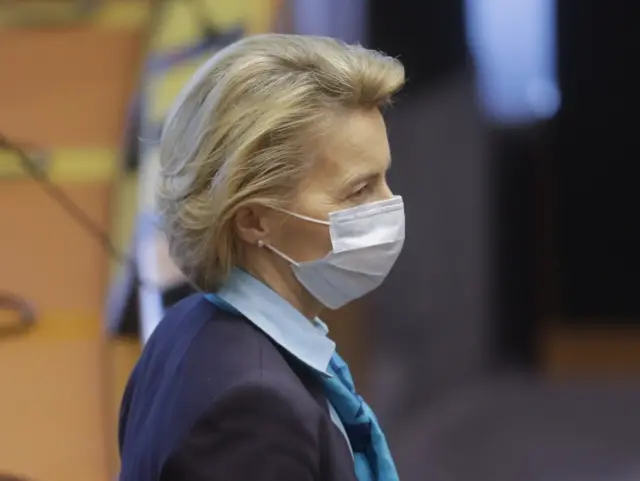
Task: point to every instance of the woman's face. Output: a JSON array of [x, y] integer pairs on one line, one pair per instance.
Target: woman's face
[[350, 170]]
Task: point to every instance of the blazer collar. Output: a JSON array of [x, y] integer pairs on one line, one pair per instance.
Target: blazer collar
[[304, 339]]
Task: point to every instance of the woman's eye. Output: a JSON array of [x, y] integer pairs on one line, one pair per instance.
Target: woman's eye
[[361, 191]]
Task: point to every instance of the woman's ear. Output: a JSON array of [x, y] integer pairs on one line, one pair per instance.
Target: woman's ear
[[251, 223]]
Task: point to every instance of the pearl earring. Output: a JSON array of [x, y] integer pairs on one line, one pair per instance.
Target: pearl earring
[[260, 243]]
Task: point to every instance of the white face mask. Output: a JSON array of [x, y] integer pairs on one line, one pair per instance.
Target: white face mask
[[366, 241]]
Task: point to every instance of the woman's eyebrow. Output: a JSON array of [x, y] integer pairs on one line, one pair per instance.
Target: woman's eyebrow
[[361, 178]]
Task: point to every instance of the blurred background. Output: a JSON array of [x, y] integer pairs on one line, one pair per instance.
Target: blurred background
[[505, 344]]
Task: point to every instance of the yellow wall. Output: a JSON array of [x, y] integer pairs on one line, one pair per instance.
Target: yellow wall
[[64, 90]]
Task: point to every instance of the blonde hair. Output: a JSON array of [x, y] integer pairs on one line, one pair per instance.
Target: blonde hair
[[235, 136]]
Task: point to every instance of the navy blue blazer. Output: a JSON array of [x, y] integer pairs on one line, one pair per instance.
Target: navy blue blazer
[[212, 398]]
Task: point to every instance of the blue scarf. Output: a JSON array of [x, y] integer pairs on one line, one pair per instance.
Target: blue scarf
[[371, 454], [372, 458]]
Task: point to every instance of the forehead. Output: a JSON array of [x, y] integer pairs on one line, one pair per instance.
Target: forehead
[[356, 144]]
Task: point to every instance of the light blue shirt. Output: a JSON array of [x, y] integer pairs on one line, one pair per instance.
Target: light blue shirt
[[305, 340]]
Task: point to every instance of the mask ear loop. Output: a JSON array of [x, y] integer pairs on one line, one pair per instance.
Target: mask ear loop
[[278, 252], [304, 217]]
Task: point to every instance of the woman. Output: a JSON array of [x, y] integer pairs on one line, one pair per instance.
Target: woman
[[276, 206]]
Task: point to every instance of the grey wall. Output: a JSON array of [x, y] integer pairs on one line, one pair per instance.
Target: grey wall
[[433, 313]]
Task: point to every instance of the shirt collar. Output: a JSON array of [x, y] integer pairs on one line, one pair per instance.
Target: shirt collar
[[285, 325]]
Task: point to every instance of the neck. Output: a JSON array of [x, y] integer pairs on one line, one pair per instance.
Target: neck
[[282, 281]]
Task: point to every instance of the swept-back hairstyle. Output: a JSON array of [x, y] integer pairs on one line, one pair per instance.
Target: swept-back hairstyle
[[237, 135]]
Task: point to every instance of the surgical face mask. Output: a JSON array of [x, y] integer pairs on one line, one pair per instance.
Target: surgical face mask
[[366, 241]]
